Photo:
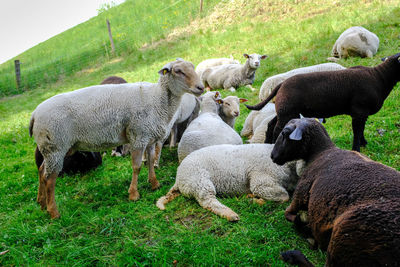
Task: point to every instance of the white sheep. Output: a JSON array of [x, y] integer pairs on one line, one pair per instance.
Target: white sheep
[[212, 62], [232, 170], [230, 109], [104, 116], [256, 123], [207, 129], [270, 83], [232, 76], [356, 41]]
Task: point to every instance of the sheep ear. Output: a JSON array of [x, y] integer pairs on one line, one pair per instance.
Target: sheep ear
[[246, 55], [166, 69], [219, 101], [264, 56], [216, 94], [242, 100], [297, 134], [180, 59]]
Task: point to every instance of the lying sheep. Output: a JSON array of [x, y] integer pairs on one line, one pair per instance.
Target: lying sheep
[[358, 91], [230, 109], [270, 83], [207, 129], [356, 41], [104, 116], [212, 62], [353, 203], [256, 123], [232, 170], [232, 76]]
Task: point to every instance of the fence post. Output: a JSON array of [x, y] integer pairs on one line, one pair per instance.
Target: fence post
[[201, 6], [17, 73], [111, 39]]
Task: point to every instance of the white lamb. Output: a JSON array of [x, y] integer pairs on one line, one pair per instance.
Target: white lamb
[[104, 116], [256, 123], [270, 83], [356, 41], [232, 76], [232, 170], [207, 129], [230, 109], [212, 62]]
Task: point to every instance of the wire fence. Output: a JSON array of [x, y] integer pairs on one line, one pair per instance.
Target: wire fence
[[36, 72]]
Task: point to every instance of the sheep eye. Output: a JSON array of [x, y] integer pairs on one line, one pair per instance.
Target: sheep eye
[[180, 71]]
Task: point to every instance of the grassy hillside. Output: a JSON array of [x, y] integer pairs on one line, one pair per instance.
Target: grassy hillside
[[100, 226]]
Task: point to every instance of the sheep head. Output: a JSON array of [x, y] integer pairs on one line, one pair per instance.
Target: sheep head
[[254, 60], [231, 106]]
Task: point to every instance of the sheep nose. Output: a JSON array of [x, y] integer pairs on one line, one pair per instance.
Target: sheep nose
[[200, 87], [236, 113]]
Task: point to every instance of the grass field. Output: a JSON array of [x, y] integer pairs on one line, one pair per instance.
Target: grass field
[[99, 226]]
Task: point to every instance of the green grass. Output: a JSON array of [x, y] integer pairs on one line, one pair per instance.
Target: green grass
[[99, 226]]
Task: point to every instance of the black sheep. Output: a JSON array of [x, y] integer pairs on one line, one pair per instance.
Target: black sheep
[[353, 202], [358, 91]]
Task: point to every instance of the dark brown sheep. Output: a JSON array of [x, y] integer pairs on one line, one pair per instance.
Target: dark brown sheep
[[358, 91], [353, 202], [113, 80]]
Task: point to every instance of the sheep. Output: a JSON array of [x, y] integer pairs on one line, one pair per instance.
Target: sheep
[[231, 76], [273, 81], [212, 62], [113, 80], [104, 116], [256, 123], [207, 129], [230, 109], [232, 170], [357, 91], [356, 41], [352, 202]]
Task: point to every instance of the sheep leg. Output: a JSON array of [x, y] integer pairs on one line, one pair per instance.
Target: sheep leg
[[172, 139], [358, 132], [269, 136], [50, 184], [300, 199], [150, 164], [212, 204], [41, 197], [136, 156], [262, 186], [250, 87], [157, 156]]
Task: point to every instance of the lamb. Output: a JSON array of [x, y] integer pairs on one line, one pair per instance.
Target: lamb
[[356, 41], [212, 62], [273, 81], [230, 109], [357, 91], [352, 202], [256, 123], [104, 116], [232, 170], [207, 129], [232, 76]]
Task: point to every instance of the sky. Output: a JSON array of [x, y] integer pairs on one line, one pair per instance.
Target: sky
[[25, 23]]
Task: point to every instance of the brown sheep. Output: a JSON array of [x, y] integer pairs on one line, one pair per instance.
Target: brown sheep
[[353, 202], [358, 91]]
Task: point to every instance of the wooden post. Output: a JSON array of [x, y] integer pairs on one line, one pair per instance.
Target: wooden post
[[111, 39], [201, 6], [17, 73]]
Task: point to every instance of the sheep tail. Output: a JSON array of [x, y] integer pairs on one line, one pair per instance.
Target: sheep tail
[[32, 121], [263, 103], [171, 195], [295, 257]]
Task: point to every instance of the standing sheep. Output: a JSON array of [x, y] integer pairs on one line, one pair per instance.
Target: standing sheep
[[357, 91], [232, 76], [207, 129], [212, 62], [356, 41], [105, 116], [232, 170], [352, 202], [270, 83]]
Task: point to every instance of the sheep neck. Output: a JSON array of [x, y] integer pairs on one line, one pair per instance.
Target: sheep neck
[[316, 147], [388, 73], [209, 105], [247, 71], [228, 120], [169, 102]]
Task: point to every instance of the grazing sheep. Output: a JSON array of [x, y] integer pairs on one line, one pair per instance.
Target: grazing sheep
[[231, 76], [104, 116], [230, 109], [256, 123], [232, 170], [357, 91], [352, 202], [270, 83], [356, 41], [207, 129], [212, 62]]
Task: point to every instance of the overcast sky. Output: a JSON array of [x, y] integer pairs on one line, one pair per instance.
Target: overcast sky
[[25, 23]]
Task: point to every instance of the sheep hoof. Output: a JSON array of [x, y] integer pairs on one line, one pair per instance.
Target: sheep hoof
[[155, 186], [54, 214], [233, 218], [290, 217], [134, 196], [259, 201]]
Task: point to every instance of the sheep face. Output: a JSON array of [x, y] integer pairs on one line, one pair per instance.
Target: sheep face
[[182, 78], [230, 106], [254, 60]]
